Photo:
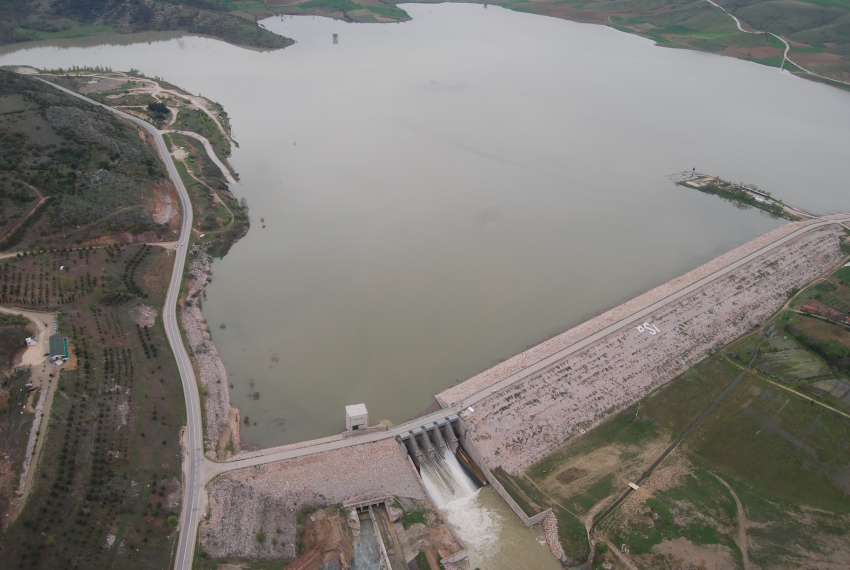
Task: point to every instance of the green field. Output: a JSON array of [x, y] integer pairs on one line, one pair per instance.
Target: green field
[[784, 453]]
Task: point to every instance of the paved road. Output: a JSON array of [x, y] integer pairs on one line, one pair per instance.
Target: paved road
[[193, 462], [213, 469], [210, 152], [787, 45]]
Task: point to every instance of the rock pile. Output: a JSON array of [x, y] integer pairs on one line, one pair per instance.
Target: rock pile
[[550, 533], [143, 315], [213, 376]]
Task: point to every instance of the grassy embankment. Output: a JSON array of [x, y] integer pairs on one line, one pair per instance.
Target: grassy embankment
[[778, 439]]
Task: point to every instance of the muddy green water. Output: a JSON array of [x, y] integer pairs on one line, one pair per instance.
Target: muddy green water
[[442, 193]]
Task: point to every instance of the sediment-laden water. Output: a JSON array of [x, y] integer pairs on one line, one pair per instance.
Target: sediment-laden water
[[439, 194], [366, 553], [494, 536]]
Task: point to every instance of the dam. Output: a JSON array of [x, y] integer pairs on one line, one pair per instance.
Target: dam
[[514, 413]]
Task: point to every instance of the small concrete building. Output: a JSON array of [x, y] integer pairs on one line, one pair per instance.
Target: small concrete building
[[356, 417]]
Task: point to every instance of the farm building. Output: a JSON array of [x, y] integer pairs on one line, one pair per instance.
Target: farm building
[[58, 346]]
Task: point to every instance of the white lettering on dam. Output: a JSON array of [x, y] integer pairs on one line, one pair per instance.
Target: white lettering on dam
[[646, 327]]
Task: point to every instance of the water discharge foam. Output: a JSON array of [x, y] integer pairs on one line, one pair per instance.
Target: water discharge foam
[[457, 496], [442, 491]]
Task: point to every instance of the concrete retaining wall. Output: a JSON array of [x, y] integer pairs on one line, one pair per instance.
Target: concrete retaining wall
[[466, 443], [456, 557]]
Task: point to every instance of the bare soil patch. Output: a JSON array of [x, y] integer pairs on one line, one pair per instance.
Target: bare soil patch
[[682, 553], [144, 315], [570, 474], [159, 276], [758, 52], [812, 60]]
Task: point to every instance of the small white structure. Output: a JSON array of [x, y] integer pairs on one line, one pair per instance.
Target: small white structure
[[356, 417], [31, 341]]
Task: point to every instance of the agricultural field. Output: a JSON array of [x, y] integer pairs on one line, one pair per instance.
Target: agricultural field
[[108, 482], [765, 475]]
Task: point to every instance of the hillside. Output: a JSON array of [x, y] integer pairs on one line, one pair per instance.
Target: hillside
[[817, 31], [71, 173], [27, 20]]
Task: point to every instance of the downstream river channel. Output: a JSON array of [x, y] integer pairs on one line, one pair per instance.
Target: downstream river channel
[[440, 194]]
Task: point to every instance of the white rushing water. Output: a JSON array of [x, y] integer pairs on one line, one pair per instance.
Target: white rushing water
[[366, 555], [443, 492], [494, 536], [457, 498]]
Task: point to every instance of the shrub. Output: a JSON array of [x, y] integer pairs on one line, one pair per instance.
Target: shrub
[[834, 350], [261, 536]]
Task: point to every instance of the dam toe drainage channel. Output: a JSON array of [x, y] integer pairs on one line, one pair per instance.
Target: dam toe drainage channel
[[495, 538]]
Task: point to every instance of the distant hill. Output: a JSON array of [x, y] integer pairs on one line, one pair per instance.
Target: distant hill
[[817, 31], [27, 20]]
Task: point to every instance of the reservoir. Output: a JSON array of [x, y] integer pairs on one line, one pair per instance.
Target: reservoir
[[442, 193]]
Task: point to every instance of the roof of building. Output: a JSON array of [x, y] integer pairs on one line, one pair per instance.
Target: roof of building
[[58, 345], [356, 410]]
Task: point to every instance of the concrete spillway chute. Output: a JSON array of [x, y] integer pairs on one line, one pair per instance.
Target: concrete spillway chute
[[449, 435], [436, 439], [413, 449], [425, 444]]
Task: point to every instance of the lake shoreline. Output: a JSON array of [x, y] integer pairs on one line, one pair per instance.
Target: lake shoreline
[[222, 420]]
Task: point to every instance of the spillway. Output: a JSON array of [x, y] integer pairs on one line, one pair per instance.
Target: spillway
[[446, 481]]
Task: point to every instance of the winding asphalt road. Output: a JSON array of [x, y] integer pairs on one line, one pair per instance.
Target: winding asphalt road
[[194, 459]]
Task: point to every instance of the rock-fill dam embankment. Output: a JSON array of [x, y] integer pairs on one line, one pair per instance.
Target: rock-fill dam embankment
[[519, 425]]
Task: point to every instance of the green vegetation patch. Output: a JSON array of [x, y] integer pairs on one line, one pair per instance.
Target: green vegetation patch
[[781, 446], [410, 518], [843, 274], [694, 509]]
